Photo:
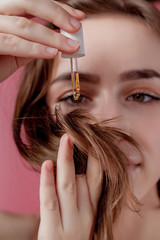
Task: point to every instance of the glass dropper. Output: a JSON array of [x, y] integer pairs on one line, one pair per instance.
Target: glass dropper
[[75, 79]]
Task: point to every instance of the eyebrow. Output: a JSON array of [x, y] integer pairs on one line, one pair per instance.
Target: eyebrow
[[84, 77], [139, 74], [95, 78]]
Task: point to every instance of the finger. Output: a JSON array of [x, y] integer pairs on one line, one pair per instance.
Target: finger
[[35, 32], [94, 179], [14, 64], [15, 8], [52, 12], [74, 12], [15, 46], [49, 207], [66, 184], [83, 199]]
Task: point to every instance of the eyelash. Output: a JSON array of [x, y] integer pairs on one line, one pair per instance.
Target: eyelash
[[143, 93], [70, 97], [83, 98]]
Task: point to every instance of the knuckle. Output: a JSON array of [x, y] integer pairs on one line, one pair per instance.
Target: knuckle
[[51, 205], [59, 13], [36, 49], [69, 187], [100, 181], [10, 41], [61, 42], [96, 178], [22, 22], [58, 10], [53, 35]]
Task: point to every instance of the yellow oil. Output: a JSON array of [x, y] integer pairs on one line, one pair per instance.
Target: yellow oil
[[75, 85]]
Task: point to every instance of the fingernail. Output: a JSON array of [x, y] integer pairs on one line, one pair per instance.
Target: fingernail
[[73, 43], [49, 166], [74, 22], [77, 11], [51, 50]]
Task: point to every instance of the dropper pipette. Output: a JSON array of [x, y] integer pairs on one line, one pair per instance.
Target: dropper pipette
[[75, 79], [78, 36]]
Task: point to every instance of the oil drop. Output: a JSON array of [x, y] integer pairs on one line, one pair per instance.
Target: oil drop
[[75, 79]]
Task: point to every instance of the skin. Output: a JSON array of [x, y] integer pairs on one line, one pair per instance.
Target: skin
[[69, 203], [62, 207], [62, 200], [128, 44], [22, 40]]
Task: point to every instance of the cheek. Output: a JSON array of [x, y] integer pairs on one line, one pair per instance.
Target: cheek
[[147, 134]]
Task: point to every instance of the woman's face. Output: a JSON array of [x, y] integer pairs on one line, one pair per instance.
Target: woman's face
[[119, 76]]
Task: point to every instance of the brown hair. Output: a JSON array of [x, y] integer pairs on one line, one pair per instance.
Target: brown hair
[[37, 135]]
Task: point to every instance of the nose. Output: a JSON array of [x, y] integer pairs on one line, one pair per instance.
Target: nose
[[109, 107]]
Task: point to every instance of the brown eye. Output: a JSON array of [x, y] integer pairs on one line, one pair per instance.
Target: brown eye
[[80, 99], [142, 98], [70, 99], [139, 97]]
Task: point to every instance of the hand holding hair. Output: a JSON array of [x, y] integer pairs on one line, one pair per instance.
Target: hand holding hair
[[22, 39], [68, 205]]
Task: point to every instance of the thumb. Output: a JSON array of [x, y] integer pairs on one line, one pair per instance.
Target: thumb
[[9, 64]]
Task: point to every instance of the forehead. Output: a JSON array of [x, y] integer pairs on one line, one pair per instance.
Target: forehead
[[115, 42]]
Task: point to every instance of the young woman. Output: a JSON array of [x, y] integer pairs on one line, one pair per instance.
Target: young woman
[[119, 79]]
